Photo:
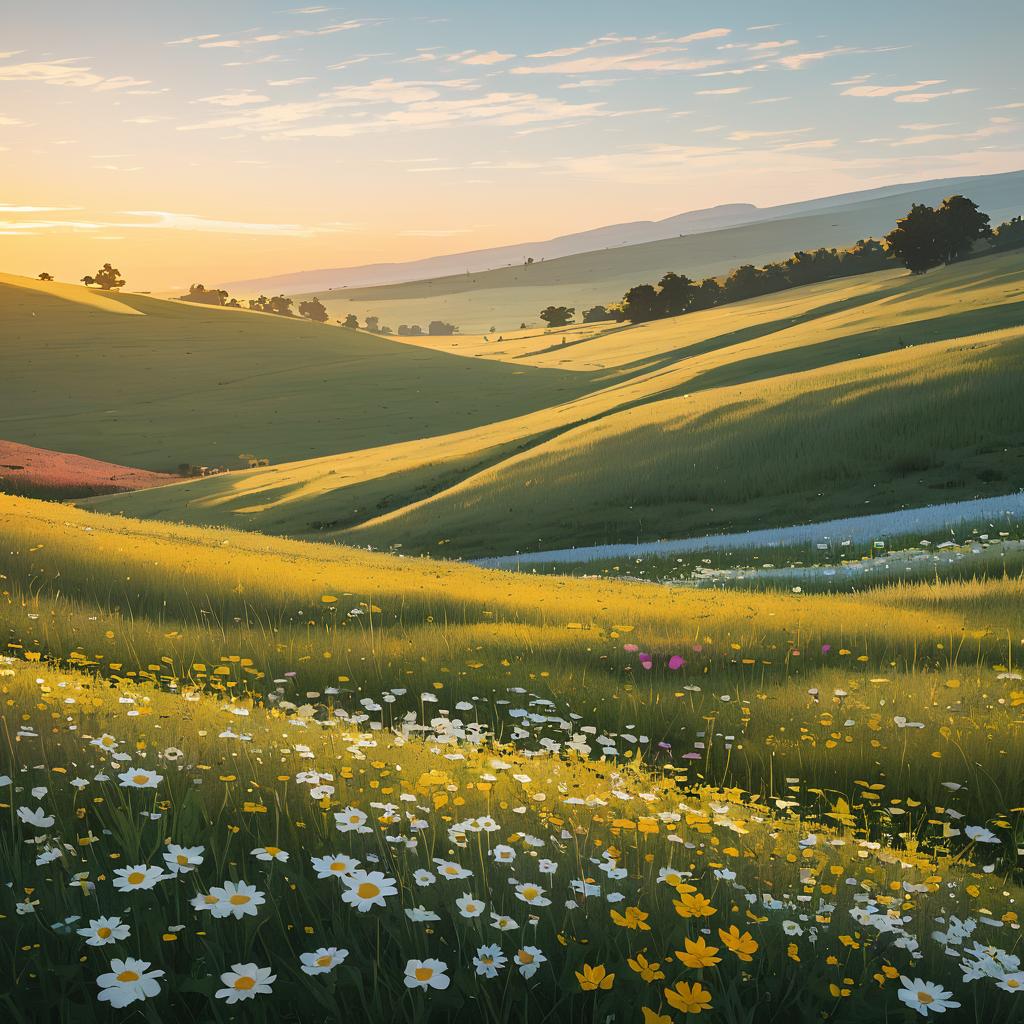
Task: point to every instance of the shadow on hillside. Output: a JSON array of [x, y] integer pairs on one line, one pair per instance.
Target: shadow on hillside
[[758, 330], [858, 346]]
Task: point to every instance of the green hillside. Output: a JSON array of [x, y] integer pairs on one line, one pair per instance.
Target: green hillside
[[504, 298], [183, 383], [885, 388]]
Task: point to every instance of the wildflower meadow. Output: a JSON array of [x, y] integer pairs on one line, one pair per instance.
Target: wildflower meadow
[[267, 781]]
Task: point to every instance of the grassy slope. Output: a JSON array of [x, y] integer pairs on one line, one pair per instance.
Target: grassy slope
[[179, 383], [568, 491], [242, 617], [97, 589], [506, 297], [893, 431]]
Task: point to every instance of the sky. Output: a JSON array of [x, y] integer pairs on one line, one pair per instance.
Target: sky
[[205, 142]]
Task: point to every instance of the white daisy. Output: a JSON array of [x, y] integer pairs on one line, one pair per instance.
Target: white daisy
[[334, 865], [426, 974], [270, 853], [181, 860], [489, 960], [140, 876], [925, 997], [450, 870], [351, 819], [140, 778], [245, 981], [528, 960], [470, 906], [323, 960], [104, 930], [129, 981], [367, 889], [236, 899], [532, 895]]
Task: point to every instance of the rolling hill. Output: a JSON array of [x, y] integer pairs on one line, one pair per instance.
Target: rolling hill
[[148, 383], [501, 299], [881, 388]]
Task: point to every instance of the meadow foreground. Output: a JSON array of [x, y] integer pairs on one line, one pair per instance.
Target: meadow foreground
[[285, 780]]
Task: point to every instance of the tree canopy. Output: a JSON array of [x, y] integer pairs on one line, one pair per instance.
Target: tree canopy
[[313, 309], [106, 277], [557, 316]]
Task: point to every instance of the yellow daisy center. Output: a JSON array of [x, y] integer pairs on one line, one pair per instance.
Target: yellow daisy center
[[367, 890], [239, 899], [136, 878], [245, 982], [323, 961], [140, 779], [103, 933], [423, 973], [126, 976], [924, 997]]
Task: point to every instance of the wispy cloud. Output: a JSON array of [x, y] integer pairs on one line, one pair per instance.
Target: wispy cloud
[[215, 41], [731, 91], [922, 136], [652, 58], [916, 92], [744, 135], [711, 33], [888, 90], [342, 112], [156, 220], [242, 98], [484, 59], [66, 71], [927, 97], [796, 61]]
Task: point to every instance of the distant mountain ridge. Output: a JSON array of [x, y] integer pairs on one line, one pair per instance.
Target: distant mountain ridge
[[693, 222]]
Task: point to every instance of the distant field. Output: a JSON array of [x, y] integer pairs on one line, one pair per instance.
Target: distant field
[[499, 300], [685, 437], [171, 383], [39, 473]]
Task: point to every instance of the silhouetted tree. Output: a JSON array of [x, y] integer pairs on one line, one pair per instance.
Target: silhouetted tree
[[556, 316], [352, 321], [206, 296], [961, 224], [1009, 235], [641, 303], [675, 294], [708, 294], [280, 305], [260, 303], [410, 330], [314, 310], [106, 277], [441, 328], [373, 324], [595, 315], [45, 276], [917, 240]]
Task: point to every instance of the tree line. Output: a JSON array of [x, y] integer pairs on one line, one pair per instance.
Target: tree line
[[924, 238]]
